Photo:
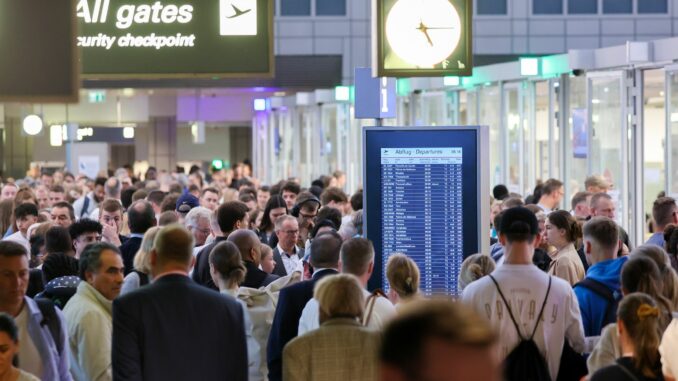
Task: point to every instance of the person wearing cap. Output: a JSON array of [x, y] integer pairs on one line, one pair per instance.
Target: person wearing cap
[[185, 203], [523, 284], [305, 210]]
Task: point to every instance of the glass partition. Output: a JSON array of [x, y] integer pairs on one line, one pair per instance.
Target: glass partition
[[490, 99], [672, 162], [514, 145], [541, 130], [576, 147], [608, 134], [654, 135]]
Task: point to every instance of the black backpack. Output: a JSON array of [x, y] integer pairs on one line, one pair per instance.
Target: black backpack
[[603, 291], [51, 320], [525, 362]]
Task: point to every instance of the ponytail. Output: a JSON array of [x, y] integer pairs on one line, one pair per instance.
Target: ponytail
[[640, 316]]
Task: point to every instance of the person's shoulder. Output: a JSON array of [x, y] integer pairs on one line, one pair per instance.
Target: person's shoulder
[[25, 376], [609, 373]]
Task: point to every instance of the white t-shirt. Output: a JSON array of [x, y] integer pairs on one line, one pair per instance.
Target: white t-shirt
[[669, 348], [524, 287], [383, 311], [21, 240], [29, 357]]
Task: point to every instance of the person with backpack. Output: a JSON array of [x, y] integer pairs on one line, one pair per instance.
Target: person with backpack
[[639, 330], [600, 291], [535, 314], [43, 351]]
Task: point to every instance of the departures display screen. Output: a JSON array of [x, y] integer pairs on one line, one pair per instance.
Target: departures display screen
[[421, 199]]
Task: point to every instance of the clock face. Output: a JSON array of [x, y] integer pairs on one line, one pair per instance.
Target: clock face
[[423, 33]]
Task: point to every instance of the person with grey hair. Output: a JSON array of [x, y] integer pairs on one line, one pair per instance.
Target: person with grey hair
[[88, 314], [197, 222], [287, 254]]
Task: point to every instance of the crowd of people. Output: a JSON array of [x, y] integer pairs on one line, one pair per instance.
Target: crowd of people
[[169, 276]]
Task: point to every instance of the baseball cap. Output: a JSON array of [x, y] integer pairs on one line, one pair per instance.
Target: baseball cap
[[186, 202], [519, 221]]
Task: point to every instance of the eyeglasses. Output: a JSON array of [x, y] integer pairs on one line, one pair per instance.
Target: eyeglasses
[[308, 216], [290, 232]]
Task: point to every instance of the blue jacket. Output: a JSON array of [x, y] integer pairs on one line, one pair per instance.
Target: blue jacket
[[55, 365], [592, 305]]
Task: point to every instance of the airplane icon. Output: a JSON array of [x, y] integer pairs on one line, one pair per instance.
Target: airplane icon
[[238, 17], [238, 12]]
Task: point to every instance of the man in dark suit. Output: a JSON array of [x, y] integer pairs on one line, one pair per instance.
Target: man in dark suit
[[287, 254], [140, 218], [325, 250], [249, 246], [174, 329], [230, 216]]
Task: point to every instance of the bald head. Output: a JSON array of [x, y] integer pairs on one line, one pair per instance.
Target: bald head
[[248, 243], [141, 217]]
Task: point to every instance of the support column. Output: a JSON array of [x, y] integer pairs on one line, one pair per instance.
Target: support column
[[17, 149], [162, 142], [161, 133]]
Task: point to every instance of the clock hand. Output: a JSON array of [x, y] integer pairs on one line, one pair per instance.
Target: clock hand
[[430, 28], [424, 30]]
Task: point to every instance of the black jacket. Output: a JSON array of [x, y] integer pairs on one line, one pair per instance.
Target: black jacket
[[256, 278], [128, 250], [201, 271], [174, 329]]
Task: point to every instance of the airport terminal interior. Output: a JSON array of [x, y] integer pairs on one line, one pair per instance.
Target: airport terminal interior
[[339, 190]]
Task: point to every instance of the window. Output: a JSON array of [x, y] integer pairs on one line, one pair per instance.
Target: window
[[582, 7], [547, 7], [491, 7], [653, 6], [330, 7], [295, 7], [617, 6]]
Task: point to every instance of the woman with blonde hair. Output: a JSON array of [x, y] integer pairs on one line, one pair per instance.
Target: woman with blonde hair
[[639, 330], [141, 275], [329, 352], [403, 279], [473, 268]]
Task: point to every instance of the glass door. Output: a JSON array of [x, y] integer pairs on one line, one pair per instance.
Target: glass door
[[514, 146], [608, 136], [671, 118]]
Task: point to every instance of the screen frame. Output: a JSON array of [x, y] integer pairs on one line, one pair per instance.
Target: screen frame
[[483, 178], [189, 75]]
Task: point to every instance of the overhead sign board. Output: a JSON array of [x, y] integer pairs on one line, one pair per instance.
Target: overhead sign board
[[415, 38], [39, 61], [375, 98], [185, 38]]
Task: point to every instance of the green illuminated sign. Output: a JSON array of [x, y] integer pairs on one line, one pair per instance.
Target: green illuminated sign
[[415, 38], [184, 38]]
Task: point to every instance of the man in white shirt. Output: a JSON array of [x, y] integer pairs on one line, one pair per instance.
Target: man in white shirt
[[357, 258], [287, 254], [88, 314], [525, 288]]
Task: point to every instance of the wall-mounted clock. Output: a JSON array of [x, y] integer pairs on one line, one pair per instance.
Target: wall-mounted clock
[[426, 38]]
